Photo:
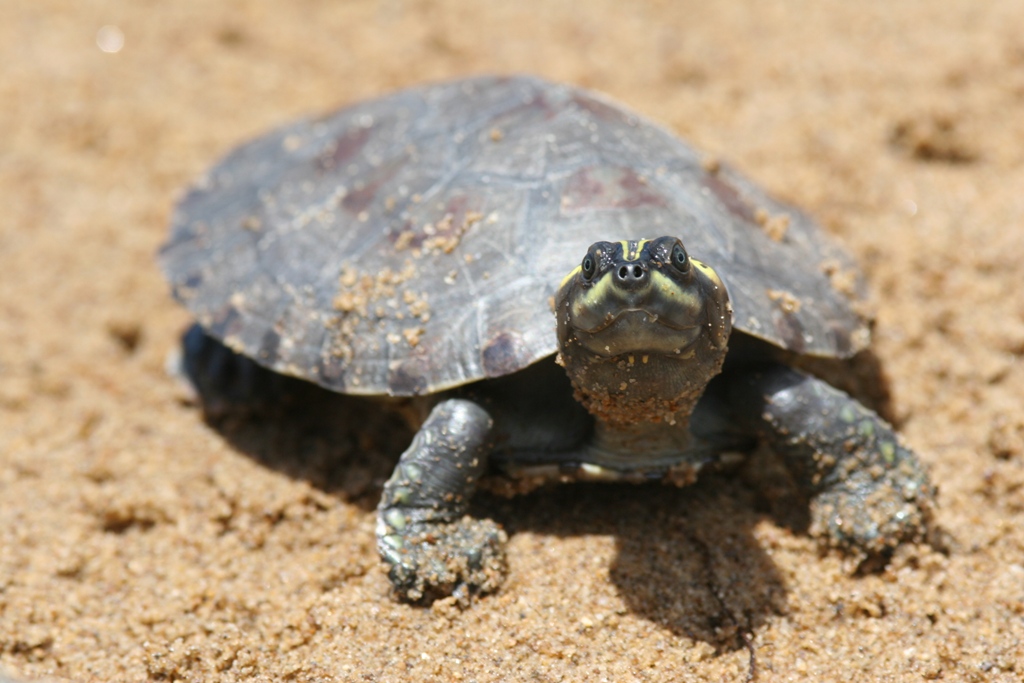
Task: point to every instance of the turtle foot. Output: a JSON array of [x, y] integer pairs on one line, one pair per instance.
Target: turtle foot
[[872, 516], [430, 561]]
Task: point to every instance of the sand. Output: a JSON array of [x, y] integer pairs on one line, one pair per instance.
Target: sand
[[139, 543]]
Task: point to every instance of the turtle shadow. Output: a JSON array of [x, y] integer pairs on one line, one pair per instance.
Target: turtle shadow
[[685, 559], [342, 445]]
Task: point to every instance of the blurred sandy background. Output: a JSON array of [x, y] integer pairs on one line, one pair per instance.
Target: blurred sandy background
[[138, 543]]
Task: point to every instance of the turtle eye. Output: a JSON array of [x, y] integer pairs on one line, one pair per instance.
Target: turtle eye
[[588, 266], [679, 258]]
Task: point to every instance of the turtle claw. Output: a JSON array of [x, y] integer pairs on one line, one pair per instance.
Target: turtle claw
[[872, 517], [430, 561]]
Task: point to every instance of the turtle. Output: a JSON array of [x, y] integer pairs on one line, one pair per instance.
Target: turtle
[[559, 288]]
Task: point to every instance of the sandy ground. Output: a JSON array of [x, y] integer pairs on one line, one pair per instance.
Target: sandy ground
[[139, 543]]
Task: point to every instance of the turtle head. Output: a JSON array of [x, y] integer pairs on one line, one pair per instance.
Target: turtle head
[[642, 327]]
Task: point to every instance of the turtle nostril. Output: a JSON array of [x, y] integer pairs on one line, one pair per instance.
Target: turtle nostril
[[631, 274]]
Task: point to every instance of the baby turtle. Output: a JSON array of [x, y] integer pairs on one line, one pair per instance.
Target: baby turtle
[[417, 244]]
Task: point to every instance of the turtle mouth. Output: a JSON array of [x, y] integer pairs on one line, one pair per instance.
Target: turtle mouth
[[639, 330], [653, 318]]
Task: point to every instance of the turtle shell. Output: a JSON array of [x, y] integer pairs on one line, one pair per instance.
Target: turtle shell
[[414, 242]]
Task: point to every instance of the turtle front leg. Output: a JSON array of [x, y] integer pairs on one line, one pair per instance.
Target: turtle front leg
[[432, 548], [868, 492]]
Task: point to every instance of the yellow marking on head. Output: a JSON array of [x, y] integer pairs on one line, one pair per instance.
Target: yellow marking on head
[[596, 296], [708, 271], [571, 275], [670, 289], [631, 251]]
